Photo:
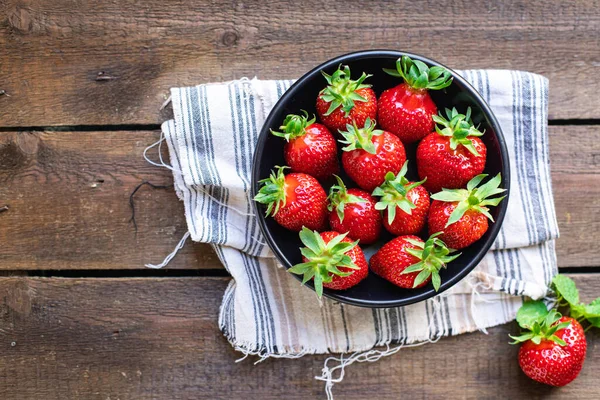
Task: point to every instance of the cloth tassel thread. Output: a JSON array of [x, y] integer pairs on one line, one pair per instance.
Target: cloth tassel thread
[[168, 258]]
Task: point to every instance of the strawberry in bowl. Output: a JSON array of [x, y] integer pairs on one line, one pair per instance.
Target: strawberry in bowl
[[345, 101], [452, 155], [407, 109], [310, 147]]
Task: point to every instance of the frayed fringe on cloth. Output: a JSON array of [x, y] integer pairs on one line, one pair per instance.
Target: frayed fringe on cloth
[[337, 364]]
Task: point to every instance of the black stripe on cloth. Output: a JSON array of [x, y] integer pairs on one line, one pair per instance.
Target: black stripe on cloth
[[218, 191], [447, 313], [376, 324], [257, 247], [544, 118], [237, 142], [242, 171], [202, 150], [545, 227], [253, 268], [429, 320], [404, 324], [259, 312], [543, 163], [394, 314], [386, 317], [530, 153], [237, 139], [343, 314], [250, 120], [262, 297], [518, 137], [188, 146], [267, 304], [204, 117], [534, 187], [502, 236]]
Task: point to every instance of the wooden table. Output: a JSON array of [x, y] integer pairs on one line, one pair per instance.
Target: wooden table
[[81, 85]]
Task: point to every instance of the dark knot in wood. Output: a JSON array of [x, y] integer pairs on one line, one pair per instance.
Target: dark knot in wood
[[230, 38]]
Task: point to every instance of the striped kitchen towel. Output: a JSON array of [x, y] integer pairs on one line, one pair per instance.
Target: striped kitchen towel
[[266, 312]]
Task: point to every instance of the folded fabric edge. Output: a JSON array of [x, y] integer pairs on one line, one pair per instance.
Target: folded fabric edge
[[254, 349]]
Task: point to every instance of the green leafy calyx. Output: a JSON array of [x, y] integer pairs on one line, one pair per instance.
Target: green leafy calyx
[[473, 197], [539, 324], [323, 260], [419, 75], [458, 127], [360, 138], [568, 296], [341, 90], [294, 126], [339, 197], [394, 192], [433, 255], [272, 192]]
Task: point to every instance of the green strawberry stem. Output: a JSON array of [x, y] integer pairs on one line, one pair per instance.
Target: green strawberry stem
[[393, 193], [272, 192], [433, 255], [420, 76], [294, 126], [458, 127], [341, 90], [360, 138], [473, 197], [324, 260], [539, 324], [339, 197]]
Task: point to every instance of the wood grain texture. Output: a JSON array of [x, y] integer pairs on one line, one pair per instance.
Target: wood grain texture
[[89, 62], [575, 169], [68, 194], [68, 198], [159, 339]]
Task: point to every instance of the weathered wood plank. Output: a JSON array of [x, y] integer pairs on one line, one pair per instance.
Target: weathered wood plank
[[575, 168], [89, 62], [68, 198], [68, 194], [158, 339]]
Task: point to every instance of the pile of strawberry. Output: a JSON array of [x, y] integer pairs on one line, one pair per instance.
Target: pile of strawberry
[[446, 210]]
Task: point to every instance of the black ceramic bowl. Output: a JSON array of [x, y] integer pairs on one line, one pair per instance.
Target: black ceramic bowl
[[375, 291]]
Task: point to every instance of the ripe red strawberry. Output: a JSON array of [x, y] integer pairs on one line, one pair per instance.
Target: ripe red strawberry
[[353, 211], [310, 147], [553, 349], [406, 110], [370, 154], [405, 203], [462, 214], [295, 200], [331, 259], [452, 156], [345, 101], [409, 263]]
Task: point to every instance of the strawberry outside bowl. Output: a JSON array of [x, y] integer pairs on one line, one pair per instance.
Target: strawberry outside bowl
[[375, 291]]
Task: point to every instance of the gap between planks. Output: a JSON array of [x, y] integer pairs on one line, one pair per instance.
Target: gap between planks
[[151, 127], [180, 273]]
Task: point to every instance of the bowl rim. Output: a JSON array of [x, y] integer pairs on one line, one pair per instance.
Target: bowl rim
[[494, 230]]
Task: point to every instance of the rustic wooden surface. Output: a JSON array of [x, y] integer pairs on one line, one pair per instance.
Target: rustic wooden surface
[[111, 338], [114, 61], [81, 84]]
